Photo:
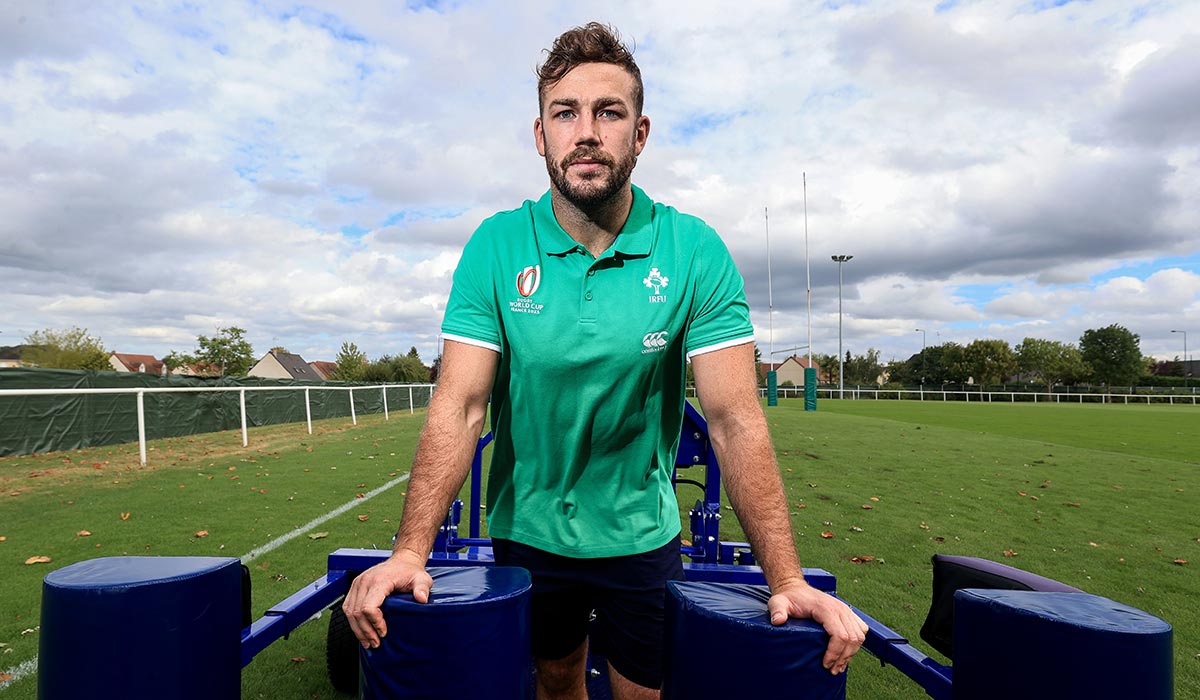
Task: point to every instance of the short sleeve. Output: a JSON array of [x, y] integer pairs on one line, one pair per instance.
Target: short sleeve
[[471, 313], [720, 315]]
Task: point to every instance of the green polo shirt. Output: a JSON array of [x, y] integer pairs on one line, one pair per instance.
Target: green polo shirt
[[588, 400]]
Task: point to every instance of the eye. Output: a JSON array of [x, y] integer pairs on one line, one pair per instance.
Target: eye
[[609, 114], [564, 115]]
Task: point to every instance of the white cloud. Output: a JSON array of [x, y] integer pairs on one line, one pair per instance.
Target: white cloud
[[311, 172]]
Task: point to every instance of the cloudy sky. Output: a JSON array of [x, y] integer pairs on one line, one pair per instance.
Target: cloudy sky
[[310, 171]]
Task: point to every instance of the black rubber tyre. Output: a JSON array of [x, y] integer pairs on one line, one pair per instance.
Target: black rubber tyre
[[341, 652]]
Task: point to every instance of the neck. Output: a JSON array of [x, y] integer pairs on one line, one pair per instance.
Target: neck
[[594, 227]]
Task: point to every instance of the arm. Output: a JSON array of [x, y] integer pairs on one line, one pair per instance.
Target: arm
[[725, 383], [444, 453]]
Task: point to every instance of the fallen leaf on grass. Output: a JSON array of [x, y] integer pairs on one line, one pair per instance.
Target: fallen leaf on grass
[[855, 528], [939, 539], [827, 535], [3, 538], [1022, 494], [363, 518], [360, 495], [83, 533], [1073, 505], [865, 558], [202, 533], [318, 535], [299, 659], [801, 505], [874, 498], [5, 677], [685, 543], [812, 486], [1093, 544], [1009, 553], [125, 516], [924, 526], [868, 506], [1181, 562], [38, 560]]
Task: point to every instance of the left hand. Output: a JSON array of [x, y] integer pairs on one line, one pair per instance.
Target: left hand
[[847, 631]]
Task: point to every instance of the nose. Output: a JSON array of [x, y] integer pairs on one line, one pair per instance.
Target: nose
[[586, 132]]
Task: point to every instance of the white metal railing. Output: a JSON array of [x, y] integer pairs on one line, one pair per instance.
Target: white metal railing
[[919, 394], [141, 392]]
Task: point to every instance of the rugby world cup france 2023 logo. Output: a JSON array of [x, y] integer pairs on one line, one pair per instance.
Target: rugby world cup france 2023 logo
[[528, 280]]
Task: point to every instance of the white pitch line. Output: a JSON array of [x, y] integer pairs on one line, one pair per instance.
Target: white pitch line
[[328, 516], [29, 667], [23, 669]]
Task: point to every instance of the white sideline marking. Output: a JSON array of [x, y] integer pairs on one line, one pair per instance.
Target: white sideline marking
[[29, 667], [25, 668], [328, 516]]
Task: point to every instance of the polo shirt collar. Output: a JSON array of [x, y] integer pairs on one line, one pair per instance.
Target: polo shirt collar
[[634, 240]]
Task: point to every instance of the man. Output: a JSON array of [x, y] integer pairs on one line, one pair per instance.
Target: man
[[574, 314]]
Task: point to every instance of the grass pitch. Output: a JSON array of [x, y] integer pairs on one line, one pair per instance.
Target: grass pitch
[[1101, 497]]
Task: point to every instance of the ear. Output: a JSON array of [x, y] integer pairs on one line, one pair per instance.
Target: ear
[[539, 137], [641, 134]]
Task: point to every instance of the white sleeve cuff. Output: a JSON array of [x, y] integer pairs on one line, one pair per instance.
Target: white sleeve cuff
[[472, 341], [718, 346]]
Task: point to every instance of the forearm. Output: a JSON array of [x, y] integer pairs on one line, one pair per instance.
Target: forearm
[[441, 465], [751, 476]]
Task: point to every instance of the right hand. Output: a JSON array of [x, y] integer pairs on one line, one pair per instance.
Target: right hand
[[400, 573]]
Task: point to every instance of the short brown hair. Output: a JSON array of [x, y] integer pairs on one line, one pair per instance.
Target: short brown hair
[[591, 43]]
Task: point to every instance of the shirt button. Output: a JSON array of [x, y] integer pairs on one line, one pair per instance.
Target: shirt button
[[591, 273], [588, 296]]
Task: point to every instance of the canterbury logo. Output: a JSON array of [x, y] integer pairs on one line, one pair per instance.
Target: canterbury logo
[[528, 280], [657, 339]]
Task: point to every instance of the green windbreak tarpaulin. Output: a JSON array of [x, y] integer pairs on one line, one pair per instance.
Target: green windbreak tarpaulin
[[47, 423]]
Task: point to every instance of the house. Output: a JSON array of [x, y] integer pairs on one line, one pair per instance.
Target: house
[[324, 370], [11, 356], [790, 370], [146, 364], [284, 365]]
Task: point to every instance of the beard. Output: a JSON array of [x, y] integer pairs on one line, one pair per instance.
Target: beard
[[594, 191]]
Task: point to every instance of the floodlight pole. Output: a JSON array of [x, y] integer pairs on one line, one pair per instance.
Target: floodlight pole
[[922, 332], [1186, 366], [839, 259]]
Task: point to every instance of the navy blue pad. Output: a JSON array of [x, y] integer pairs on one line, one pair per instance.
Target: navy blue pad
[[1048, 646], [952, 573], [471, 640], [142, 627], [720, 643]]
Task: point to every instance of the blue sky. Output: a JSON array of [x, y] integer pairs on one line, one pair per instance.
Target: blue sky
[[310, 170]]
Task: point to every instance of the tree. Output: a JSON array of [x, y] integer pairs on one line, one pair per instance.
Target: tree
[[863, 369], [350, 363], [72, 348], [990, 361], [280, 350], [1050, 361], [1113, 353], [827, 367], [174, 360], [227, 351]]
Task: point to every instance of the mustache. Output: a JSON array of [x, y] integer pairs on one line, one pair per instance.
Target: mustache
[[588, 154]]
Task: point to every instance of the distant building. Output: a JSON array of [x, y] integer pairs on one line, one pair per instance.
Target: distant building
[[145, 364], [284, 365], [790, 370], [325, 370], [11, 356]]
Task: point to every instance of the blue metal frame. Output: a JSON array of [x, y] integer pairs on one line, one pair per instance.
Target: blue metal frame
[[711, 560]]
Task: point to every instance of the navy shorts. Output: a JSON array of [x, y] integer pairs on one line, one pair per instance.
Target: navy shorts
[[627, 594]]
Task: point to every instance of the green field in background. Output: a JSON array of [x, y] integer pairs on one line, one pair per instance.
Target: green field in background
[[1100, 497]]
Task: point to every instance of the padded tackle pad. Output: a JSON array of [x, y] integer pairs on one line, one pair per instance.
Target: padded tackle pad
[[720, 643], [133, 628], [471, 640], [952, 573], [1052, 646]]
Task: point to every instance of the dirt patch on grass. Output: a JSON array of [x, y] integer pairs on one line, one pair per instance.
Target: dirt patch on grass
[[27, 474]]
